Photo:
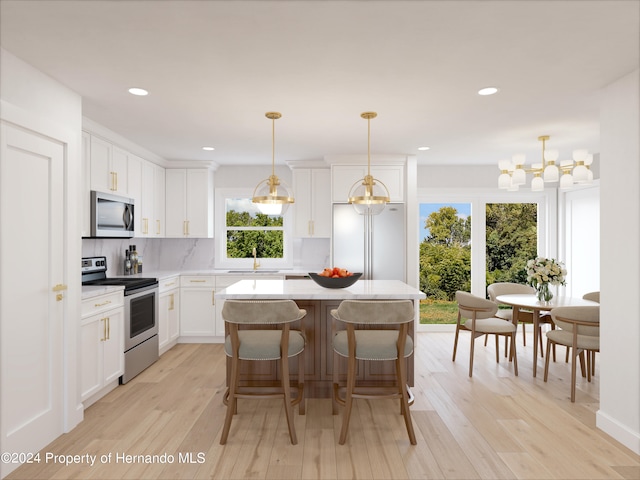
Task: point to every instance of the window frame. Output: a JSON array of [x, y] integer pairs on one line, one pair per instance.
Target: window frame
[[546, 200], [221, 260]]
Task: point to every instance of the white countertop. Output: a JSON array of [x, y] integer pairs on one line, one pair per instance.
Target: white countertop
[[309, 290]]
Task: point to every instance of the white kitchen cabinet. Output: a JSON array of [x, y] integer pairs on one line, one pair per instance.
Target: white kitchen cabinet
[[85, 203], [108, 167], [189, 203], [344, 176], [102, 345], [169, 315], [197, 307], [312, 208], [158, 202], [134, 183], [223, 281]]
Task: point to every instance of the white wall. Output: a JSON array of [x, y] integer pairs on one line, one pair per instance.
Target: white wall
[[619, 413]]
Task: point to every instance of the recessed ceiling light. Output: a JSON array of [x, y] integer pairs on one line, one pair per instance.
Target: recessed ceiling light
[[208, 148], [138, 91], [488, 91], [423, 148]]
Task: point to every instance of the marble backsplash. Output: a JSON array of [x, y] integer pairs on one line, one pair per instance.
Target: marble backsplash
[[191, 254]]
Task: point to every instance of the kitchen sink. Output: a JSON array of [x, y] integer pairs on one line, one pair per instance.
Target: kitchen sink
[[253, 271]]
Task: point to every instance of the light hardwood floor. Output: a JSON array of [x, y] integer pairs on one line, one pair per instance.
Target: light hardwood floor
[[493, 426]]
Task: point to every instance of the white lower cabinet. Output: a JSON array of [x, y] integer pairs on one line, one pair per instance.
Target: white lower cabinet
[[197, 307], [102, 345], [169, 314]]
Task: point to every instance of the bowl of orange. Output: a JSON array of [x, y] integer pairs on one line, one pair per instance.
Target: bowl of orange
[[335, 277]]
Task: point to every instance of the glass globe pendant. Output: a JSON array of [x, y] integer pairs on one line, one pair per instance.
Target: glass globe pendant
[[368, 195], [271, 196]]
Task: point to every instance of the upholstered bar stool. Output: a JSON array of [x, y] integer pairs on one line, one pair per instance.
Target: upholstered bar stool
[[257, 345], [361, 341]]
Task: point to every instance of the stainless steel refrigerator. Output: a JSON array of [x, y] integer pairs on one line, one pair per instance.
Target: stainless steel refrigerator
[[374, 245]]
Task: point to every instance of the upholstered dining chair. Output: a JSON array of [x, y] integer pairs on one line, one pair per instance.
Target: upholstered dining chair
[[579, 329], [524, 317], [593, 296], [265, 344], [364, 340], [479, 318]]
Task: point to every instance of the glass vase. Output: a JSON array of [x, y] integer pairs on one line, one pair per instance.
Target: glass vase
[[544, 293]]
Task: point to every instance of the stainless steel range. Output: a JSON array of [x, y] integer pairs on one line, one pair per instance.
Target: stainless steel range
[[141, 314]]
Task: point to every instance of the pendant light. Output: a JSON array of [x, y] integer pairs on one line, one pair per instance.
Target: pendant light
[[368, 195], [271, 196]]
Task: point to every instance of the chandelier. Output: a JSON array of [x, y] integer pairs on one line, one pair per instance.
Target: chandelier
[[513, 173], [271, 196], [368, 195]]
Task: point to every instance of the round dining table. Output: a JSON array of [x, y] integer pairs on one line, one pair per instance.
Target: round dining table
[[531, 303]]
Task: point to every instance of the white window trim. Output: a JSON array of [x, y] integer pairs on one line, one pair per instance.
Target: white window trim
[[221, 194]]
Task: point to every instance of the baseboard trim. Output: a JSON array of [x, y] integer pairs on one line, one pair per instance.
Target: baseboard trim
[[619, 432]]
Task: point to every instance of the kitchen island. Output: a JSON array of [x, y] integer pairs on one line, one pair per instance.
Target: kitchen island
[[317, 325]]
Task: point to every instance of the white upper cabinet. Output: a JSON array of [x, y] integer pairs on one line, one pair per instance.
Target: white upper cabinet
[[344, 176], [189, 202], [108, 167], [312, 208], [158, 202]]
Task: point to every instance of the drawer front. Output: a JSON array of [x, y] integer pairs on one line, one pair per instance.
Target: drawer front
[[197, 281], [102, 303], [169, 283]]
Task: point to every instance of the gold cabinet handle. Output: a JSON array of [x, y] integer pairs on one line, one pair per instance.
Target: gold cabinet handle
[[187, 227], [197, 281], [104, 329], [213, 300], [113, 181], [145, 229], [59, 287], [184, 227], [116, 173], [157, 227], [108, 328], [102, 304], [171, 305], [169, 284]]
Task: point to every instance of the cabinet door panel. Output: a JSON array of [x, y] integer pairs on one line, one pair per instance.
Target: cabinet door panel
[[197, 312], [91, 357], [175, 195], [159, 221], [113, 346], [321, 203], [197, 199], [101, 177]]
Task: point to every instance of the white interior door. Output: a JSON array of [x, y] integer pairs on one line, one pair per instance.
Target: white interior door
[[31, 315]]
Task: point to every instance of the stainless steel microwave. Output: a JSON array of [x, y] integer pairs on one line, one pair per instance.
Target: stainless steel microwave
[[112, 216]]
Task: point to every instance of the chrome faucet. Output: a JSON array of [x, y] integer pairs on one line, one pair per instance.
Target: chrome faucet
[[256, 264]]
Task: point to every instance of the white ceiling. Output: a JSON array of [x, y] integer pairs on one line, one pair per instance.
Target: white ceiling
[[213, 68]]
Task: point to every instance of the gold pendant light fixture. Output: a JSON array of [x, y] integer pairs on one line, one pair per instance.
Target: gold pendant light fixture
[[368, 195], [271, 196], [513, 173]]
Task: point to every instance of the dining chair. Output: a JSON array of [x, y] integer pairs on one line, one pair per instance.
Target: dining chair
[[579, 329], [277, 343], [593, 296], [479, 318], [363, 339], [524, 316]]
